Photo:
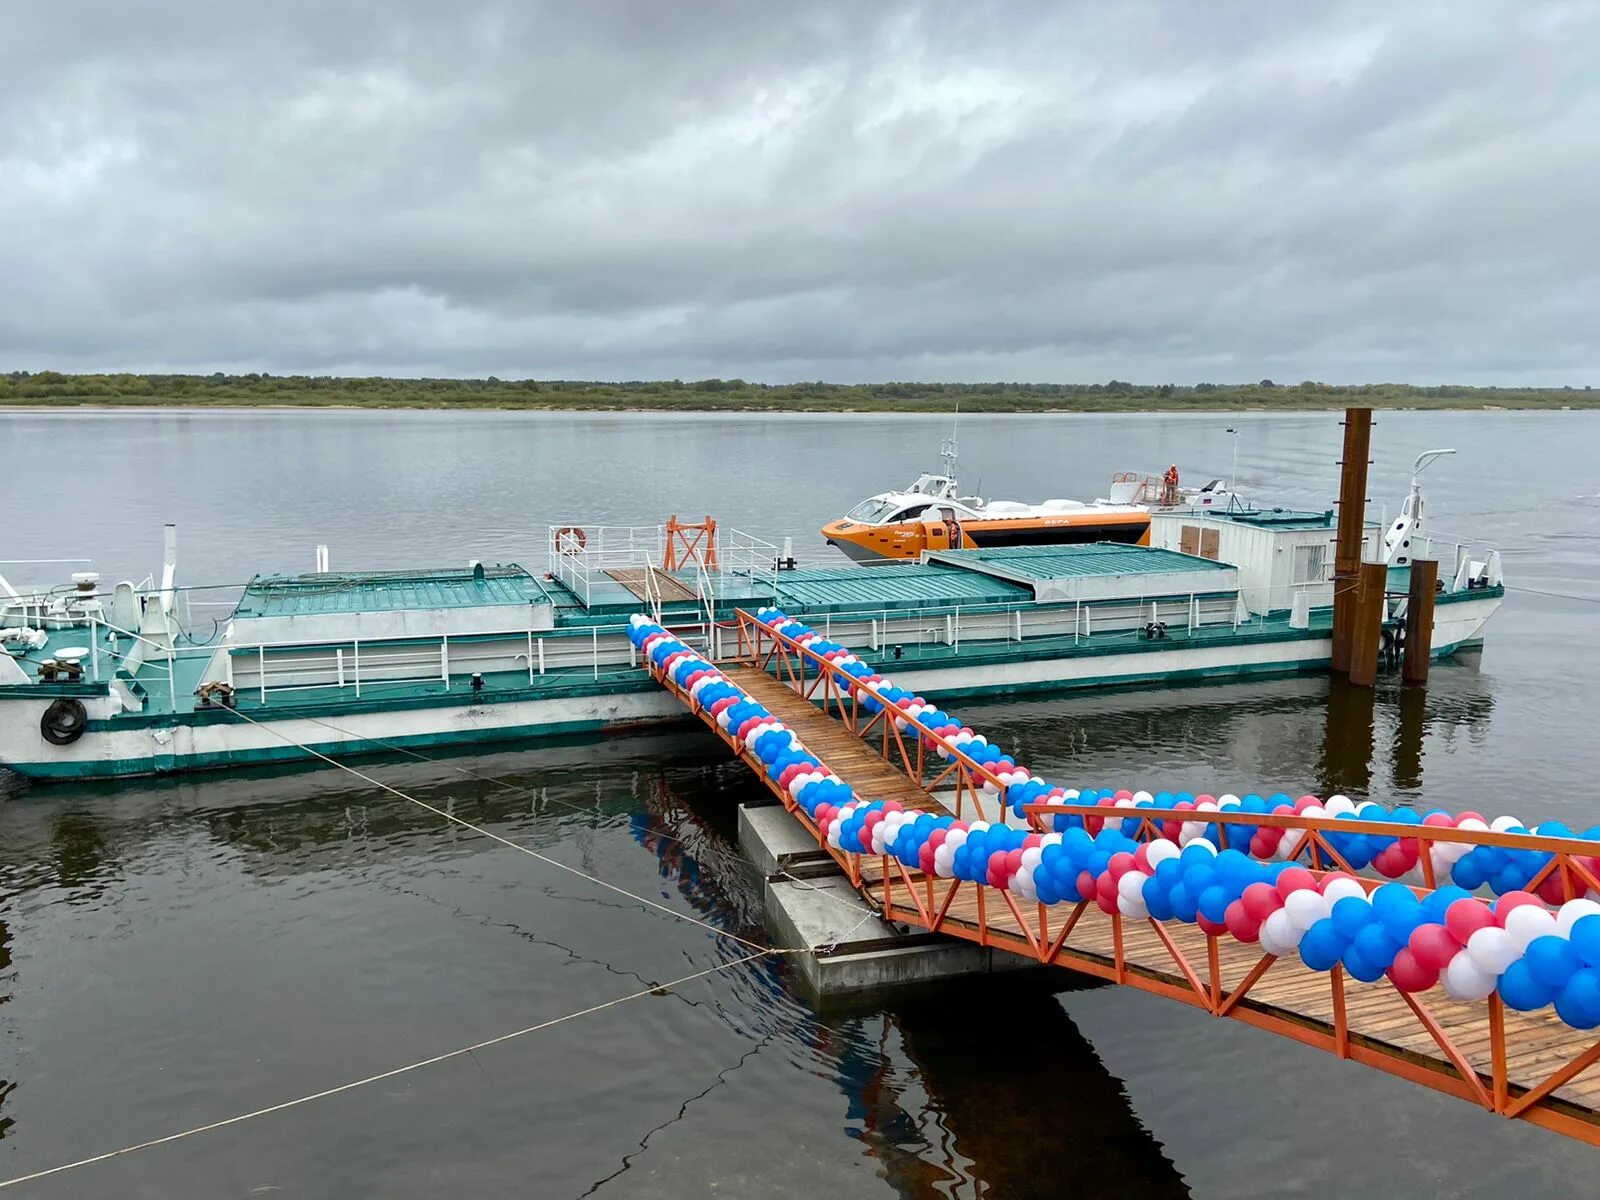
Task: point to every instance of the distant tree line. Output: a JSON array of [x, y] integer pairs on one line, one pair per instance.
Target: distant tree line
[[261, 388]]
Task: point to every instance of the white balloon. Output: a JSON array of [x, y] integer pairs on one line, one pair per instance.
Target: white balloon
[[1230, 798], [1528, 921], [1305, 908], [1504, 824], [1205, 843], [1472, 823], [1570, 913], [955, 839], [1206, 806], [1141, 797], [1132, 884], [1493, 949], [1339, 804], [1340, 888], [1463, 979], [1030, 858], [1132, 907], [1160, 850], [1279, 934]]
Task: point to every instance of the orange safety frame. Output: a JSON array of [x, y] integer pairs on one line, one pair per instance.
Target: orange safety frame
[[906, 896]]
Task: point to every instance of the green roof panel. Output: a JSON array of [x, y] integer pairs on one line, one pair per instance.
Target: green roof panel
[[375, 591], [892, 585]]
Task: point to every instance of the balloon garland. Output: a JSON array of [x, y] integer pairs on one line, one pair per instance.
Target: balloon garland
[[1470, 867], [1469, 948]]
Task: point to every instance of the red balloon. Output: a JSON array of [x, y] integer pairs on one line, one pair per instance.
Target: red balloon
[[1465, 917], [1504, 905], [1124, 794], [1551, 890], [1106, 888], [1108, 906], [936, 838], [1442, 820], [1013, 861], [925, 858], [1141, 859], [1261, 900], [1293, 880], [1086, 889], [1121, 863], [1209, 926], [1432, 946], [1259, 847], [1409, 974], [1240, 923]]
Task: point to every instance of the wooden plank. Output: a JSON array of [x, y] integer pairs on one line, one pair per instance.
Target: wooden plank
[[1289, 998]]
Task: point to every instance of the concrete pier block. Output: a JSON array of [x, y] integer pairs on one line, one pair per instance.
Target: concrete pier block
[[769, 835], [816, 906]]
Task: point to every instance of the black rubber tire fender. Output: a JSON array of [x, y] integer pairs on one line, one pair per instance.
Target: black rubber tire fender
[[64, 722]]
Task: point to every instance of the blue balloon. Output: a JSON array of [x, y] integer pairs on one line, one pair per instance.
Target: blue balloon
[[1183, 904], [1214, 902], [1585, 939], [1521, 991], [1376, 946], [1578, 1004], [1351, 915], [1552, 960], [1360, 967], [1322, 945]]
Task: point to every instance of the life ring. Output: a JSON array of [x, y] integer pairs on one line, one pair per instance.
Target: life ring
[[63, 722], [570, 539]]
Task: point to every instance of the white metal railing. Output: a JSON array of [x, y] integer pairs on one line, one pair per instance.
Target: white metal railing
[[401, 660], [745, 554], [96, 624], [580, 556]]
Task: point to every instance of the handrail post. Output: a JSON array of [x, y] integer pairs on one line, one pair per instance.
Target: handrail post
[[444, 659], [595, 633], [355, 655], [94, 648], [261, 666]]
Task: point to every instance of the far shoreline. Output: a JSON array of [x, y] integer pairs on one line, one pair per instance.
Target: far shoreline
[[123, 405]]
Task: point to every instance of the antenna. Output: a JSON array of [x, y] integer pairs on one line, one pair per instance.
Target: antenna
[[947, 449], [1233, 472]]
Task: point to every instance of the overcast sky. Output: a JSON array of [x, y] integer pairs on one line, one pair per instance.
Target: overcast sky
[[863, 191]]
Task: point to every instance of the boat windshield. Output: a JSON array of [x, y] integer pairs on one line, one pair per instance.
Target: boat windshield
[[869, 512]]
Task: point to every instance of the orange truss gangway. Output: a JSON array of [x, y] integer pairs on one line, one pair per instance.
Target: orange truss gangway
[[1526, 1066]]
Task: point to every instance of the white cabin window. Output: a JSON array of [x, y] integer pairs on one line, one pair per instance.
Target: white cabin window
[[1310, 564]]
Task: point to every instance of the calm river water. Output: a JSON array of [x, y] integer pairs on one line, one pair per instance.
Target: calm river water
[[176, 952]]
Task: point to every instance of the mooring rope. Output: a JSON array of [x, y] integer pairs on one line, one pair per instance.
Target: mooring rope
[[497, 781], [351, 1085], [759, 952], [504, 841]]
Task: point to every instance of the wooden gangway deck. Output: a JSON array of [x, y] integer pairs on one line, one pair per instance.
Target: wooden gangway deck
[[1530, 1066]]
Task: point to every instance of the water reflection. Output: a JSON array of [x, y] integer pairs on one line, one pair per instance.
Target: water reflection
[[1310, 733], [926, 1085]]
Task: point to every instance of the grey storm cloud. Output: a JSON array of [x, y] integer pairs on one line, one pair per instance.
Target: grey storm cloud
[[853, 191]]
